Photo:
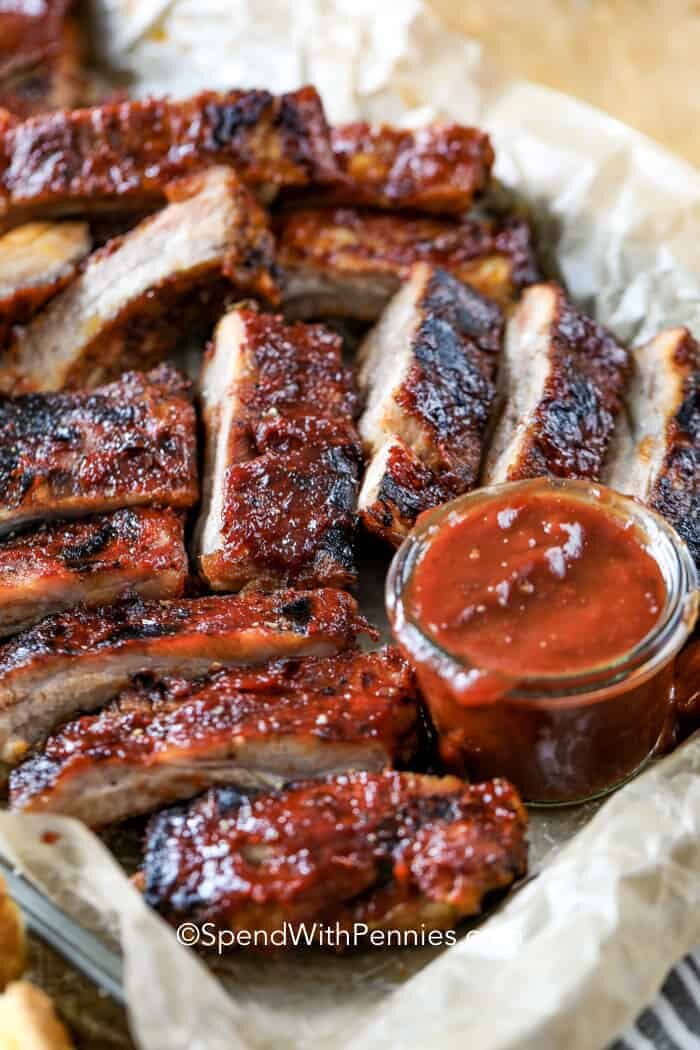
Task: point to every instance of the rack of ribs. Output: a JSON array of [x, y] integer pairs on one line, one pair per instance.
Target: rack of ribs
[[438, 168], [167, 741], [282, 457], [428, 371], [119, 157], [92, 561], [389, 850], [561, 384], [657, 454], [40, 56], [349, 262], [66, 455], [80, 659], [130, 305], [36, 262]]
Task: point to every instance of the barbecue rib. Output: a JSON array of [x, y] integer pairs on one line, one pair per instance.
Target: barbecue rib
[[259, 728], [121, 156], [392, 850], [126, 444], [428, 369], [78, 660], [657, 458], [438, 168], [40, 53], [282, 456], [561, 382], [130, 305], [92, 561], [346, 262], [36, 262]]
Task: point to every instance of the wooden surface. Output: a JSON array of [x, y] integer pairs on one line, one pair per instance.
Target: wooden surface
[[637, 59]]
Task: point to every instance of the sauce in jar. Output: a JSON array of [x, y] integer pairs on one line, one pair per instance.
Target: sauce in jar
[[543, 619], [536, 584]]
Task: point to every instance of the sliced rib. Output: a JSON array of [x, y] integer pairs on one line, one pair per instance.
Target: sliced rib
[[171, 740], [561, 383], [126, 309], [428, 370], [129, 443], [438, 168], [78, 660], [347, 262], [657, 458], [92, 561], [282, 456], [40, 57], [392, 850], [121, 156], [36, 262]]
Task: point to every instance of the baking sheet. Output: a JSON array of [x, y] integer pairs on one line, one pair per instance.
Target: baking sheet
[[567, 959]]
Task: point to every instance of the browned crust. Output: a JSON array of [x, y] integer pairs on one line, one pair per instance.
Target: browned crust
[[351, 699], [369, 254], [389, 849], [40, 57], [676, 491], [575, 418], [121, 156], [291, 479], [406, 489], [126, 444], [439, 168]]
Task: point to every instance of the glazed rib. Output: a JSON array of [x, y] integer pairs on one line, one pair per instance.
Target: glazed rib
[[438, 168], [428, 370], [130, 443], [348, 262], [40, 55], [657, 458], [392, 850], [80, 659], [282, 456], [36, 262], [92, 561], [259, 728], [137, 295], [121, 156], [561, 384]]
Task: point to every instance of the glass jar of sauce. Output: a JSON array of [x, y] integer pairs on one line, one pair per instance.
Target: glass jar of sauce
[[543, 619]]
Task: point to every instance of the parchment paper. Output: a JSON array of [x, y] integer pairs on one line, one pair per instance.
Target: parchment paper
[[575, 954]]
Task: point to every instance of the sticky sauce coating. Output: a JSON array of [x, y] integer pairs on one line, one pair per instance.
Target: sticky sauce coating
[[530, 585]]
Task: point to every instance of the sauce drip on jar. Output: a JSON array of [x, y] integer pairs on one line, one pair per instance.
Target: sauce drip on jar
[[536, 585]]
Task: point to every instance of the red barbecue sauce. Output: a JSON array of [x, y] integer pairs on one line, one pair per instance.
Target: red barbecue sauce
[[539, 586]]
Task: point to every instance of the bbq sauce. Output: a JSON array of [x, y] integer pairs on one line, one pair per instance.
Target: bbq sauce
[[537, 585]]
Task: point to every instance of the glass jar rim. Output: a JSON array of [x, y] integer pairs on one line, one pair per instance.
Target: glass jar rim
[[659, 645]]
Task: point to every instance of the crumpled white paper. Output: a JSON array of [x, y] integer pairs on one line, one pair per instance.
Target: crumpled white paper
[[575, 954]]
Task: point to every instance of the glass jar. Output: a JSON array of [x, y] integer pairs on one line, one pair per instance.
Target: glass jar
[[564, 737]]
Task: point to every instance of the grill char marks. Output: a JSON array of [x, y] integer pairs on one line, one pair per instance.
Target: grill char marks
[[121, 156], [282, 457], [168, 741], [428, 369], [393, 850], [137, 295], [562, 379], [346, 262], [126, 444], [657, 458], [92, 561], [438, 168], [36, 262], [78, 660], [40, 53]]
